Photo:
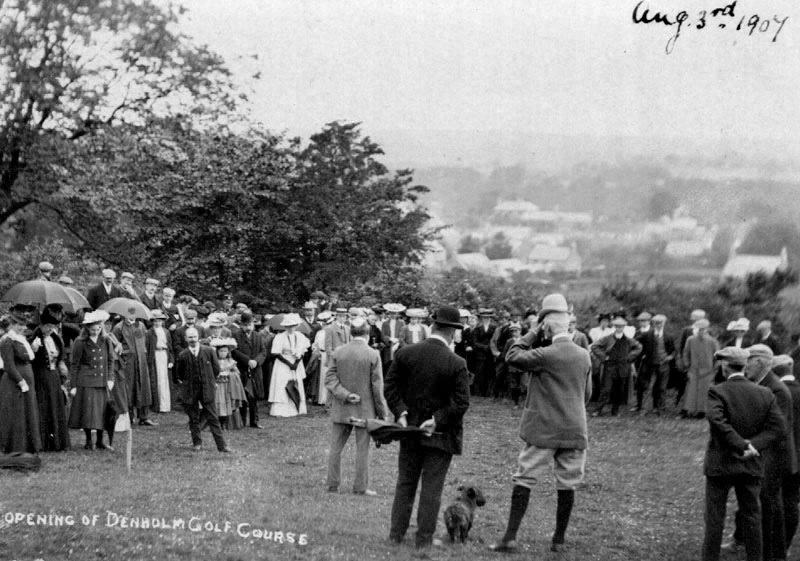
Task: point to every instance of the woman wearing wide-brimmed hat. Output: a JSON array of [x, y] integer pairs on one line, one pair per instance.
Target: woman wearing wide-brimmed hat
[[288, 348], [91, 379], [158, 345], [19, 412]]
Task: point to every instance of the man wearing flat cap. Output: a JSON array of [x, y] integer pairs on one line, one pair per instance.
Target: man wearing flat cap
[[783, 367], [427, 386], [104, 291], [126, 286], [779, 460], [658, 354], [45, 270], [744, 421], [553, 424], [148, 297], [615, 353]]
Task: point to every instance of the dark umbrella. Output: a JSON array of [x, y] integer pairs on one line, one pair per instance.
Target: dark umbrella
[[294, 393], [384, 432], [41, 293], [274, 322], [126, 307]]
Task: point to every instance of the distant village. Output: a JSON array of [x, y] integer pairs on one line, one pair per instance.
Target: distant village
[[549, 243]]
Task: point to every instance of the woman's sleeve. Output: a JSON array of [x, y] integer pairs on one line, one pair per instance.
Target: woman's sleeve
[[75, 362], [7, 353]]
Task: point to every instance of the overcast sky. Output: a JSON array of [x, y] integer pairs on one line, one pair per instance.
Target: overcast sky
[[546, 67]]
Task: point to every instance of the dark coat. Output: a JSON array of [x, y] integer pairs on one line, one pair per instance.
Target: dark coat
[[648, 361], [386, 353], [134, 362], [747, 341], [250, 347], [153, 303], [482, 341], [92, 364], [794, 388], [97, 295], [781, 455], [772, 342], [739, 411], [429, 380], [198, 376]]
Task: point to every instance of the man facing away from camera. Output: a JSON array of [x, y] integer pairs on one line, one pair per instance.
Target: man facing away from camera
[[553, 423], [427, 386], [744, 420]]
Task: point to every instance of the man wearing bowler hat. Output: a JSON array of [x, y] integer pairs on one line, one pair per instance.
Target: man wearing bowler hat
[[427, 386]]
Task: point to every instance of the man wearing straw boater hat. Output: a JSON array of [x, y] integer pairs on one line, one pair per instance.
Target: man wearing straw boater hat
[[427, 386], [553, 424], [390, 330]]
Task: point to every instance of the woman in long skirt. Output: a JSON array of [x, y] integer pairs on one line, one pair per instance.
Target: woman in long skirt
[[19, 412], [288, 348], [51, 374], [158, 344], [91, 378]]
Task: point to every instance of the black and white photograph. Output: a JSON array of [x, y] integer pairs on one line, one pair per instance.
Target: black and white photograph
[[411, 279]]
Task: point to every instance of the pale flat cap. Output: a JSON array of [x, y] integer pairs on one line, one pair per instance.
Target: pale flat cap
[[733, 355], [697, 314], [109, 274], [126, 275], [45, 266], [761, 351]]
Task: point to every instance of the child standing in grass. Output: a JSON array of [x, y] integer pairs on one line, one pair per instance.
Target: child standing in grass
[[230, 391]]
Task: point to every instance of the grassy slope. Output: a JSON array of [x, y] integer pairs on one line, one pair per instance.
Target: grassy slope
[[642, 497]]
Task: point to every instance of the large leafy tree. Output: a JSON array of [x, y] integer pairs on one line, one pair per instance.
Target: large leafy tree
[[214, 210], [72, 67]]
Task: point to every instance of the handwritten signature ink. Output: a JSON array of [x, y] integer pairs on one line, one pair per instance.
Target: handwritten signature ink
[[720, 18]]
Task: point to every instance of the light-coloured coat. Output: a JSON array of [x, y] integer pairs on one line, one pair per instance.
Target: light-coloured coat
[[355, 368]]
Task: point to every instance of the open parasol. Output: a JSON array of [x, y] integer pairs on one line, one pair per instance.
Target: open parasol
[[126, 307], [41, 293], [274, 322]]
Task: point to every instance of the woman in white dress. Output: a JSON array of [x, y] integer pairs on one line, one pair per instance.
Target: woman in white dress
[[288, 349], [158, 344]]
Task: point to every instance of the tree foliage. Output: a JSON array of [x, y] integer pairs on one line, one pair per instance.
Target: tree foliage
[[72, 67], [498, 247], [218, 210]]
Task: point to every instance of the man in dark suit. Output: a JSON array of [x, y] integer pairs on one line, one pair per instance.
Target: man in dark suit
[[658, 352], [355, 380], [484, 359], [553, 425], [105, 291], [197, 369], [783, 366], [427, 386], [744, 420], [768, 338], [148, 297], [250, 354], [779, 459], [740, 336]]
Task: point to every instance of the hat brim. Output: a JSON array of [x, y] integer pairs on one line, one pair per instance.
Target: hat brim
[[547, 311], [449, 324]]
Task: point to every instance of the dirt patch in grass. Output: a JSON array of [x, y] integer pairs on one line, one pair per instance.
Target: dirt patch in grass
[[642, 497]]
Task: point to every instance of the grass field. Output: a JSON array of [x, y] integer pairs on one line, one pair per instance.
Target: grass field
[[642, 497]]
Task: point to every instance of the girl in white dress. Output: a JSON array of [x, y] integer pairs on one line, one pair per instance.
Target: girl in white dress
[[288, 348]]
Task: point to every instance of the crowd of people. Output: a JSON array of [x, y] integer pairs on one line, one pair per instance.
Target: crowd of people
[[224, 365]]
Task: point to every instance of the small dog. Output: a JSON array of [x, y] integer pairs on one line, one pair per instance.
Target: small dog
[[459, 515]]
